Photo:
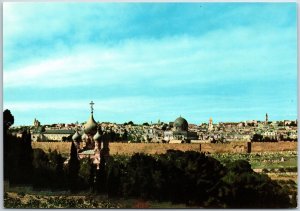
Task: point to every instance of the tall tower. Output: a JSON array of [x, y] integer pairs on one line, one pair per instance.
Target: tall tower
[[210, 124], [267, 118]]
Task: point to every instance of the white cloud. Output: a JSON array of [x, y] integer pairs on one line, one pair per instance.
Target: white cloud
[[110, 48], [218, 55]]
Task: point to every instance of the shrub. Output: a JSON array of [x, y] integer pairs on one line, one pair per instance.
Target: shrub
[[264, 170]]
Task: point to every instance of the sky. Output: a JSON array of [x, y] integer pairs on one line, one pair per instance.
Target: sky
[[145, 62]]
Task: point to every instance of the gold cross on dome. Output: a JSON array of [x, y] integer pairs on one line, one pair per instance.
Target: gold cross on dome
[[92, 109]]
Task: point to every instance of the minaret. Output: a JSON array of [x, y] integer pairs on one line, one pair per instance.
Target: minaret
[[210, 125], [267, 119]]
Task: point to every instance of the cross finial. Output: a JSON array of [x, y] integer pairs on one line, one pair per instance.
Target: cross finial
[[92, 109]]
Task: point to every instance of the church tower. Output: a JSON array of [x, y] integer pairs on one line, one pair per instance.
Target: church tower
[[210, 124]]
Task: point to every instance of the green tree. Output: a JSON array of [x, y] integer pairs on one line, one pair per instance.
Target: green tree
[[43, 173], [115, 175], [87, 172], [8, 118], [257, 138], [125, 136], [164, 127], [130, 123], [139, 182], [25, 158], [249, 189], [73, 168], [57, 163], [101, 177], [9, 143]]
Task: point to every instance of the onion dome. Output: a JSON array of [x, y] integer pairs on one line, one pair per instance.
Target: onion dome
[[181, 124], [98, 135], [84, 136], [76, 136], [90, 127]]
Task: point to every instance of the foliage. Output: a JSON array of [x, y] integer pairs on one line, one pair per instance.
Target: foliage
[[8, 118], [129, 123], [87, 172], [267, 160], [73, 168], [260, 138], [56, 202], [252, 190], [125, 136], [257, 138], [187, 177], [18, 155], [48, 170], [195, 179]]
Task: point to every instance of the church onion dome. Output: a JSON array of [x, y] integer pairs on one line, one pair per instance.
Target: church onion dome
[[90, 127], [97, 136], [181, 124], [84, 136], [76, 136]]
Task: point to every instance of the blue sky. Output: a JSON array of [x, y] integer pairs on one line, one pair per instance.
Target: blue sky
[[150, 61]]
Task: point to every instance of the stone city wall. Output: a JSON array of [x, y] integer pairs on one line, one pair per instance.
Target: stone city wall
[[158, 148], [271, 147]]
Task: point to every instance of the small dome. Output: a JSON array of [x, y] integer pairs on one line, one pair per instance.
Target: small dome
[[90, 127], [98, 135], [181, 124], [84, 136], [76, 136]]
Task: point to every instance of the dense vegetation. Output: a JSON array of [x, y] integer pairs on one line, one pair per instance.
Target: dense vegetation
[[188, 177], [271, 161], [260, 138], [22, 200], [195, 179]]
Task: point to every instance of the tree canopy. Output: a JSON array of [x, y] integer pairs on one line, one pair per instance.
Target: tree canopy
[[8, 118]]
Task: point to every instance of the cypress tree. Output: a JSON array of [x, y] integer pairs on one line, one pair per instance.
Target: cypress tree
[[8, 120], [73, 167], [21, 159], [59, 170]]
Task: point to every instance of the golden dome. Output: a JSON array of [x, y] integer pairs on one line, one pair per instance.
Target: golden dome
[[76, 136], [90, 128], [97, 136]]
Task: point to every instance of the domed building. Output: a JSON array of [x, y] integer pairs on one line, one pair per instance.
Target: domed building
[[76, 139], [179, 133], [180, 124], [89, 130], [90, 127], [93, 140]]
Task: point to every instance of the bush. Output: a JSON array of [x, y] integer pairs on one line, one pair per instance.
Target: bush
[[252, 190], [194, 179], [264, 170], [291, 169]]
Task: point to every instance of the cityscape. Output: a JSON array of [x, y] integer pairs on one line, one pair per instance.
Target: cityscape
[[177, 131], [148, 105]]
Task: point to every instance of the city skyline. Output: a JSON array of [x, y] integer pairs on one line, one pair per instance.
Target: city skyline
[[142, 62]]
